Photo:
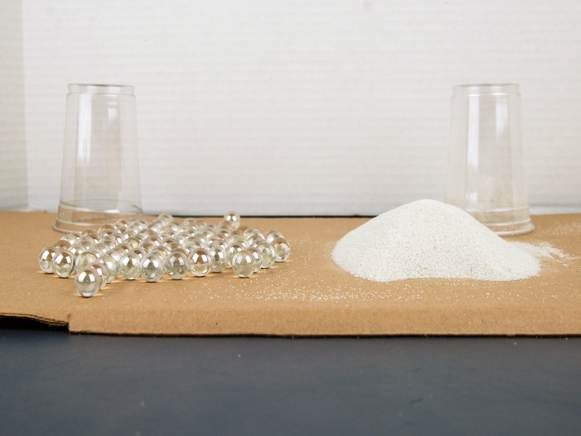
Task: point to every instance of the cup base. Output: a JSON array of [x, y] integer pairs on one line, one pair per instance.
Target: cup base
[[74, 218], [510, 222]]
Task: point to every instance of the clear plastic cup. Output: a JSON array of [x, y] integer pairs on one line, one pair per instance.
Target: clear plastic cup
[[100, 174], [485, 166]]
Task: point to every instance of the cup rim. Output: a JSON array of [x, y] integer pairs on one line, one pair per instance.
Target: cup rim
[[98, 88], [486, 88]]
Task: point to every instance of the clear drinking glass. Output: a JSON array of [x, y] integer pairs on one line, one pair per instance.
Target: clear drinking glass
[[100, 173], [485, 166]]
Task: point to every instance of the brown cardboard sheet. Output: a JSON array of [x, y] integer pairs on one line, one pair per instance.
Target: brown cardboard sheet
[[308, 295]]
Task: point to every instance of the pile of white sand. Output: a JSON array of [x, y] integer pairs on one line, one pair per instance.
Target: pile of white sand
[[428, 238]]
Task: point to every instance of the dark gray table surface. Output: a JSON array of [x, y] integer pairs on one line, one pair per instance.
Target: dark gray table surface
[[56, 383]]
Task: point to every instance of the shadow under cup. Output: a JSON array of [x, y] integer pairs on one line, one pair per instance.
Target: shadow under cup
[[100, 173], [485, 166]]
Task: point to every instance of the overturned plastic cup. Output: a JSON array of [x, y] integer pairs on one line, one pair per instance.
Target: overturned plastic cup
[[485, 166], [100, 173]]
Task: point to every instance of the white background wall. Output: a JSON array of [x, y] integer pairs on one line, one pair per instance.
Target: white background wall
[[303, 107]]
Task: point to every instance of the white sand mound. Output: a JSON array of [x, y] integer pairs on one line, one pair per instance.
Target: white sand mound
[[429, 238]]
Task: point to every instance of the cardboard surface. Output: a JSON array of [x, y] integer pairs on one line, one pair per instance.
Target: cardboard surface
[[307, 295]]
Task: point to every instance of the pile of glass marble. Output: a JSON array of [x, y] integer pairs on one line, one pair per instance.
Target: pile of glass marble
[[150, 250]]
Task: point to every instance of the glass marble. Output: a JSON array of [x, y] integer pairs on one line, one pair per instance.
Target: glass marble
[[257, 254], [206, 233], [151, 267], [243, 263], [181, 239], [281, 248], [237, 239], [165, 217], [234, 218], [133, 242], [106, 229], [223, 232], [70, 238], [200, 262], [102, 271], [121, 227], [117, 253], [129, 266], [77, 249], [112, 267], [92, 233], [155, 227], [140, 252], [218, 240], [272, 235], [88, 282], [226, 225], [189, 222], [85, 259], [101, 247], [87, 242], [156, 239], [268, 254], [147, 245], [218, 256], [250, 231], [255, 240], [181, 250], [200, 242], [177, 265], [64, 263], [128, 234], [147, 232], [199, 224], [168, 239], [62, 245], [211, 227], [109, 240], [161, 251], [172, 245], [232, 249], [174, 226]]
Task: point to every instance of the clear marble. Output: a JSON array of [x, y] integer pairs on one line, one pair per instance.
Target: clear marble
[[140, 252], [61, 244], [112, 267], [45, 258], [129, 265], [161, 251], [177, 265], [232, 249], [237, 239], [218, 255], [257, 254], [218, 240], [77, 249], [87, 242], [243, 263], [234, 218], [103, 272], [268, 254], [92, 233], [84, 259], [272, 235], [152, 267], [133, 242], [281, 248], [88, 282], [200, 262], [255, 240], [64, 263], [106, 229], [70, 238], [147, 245]]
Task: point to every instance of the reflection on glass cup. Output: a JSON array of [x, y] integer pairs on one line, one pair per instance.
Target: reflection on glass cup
[[485, 166], [100, 173]]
